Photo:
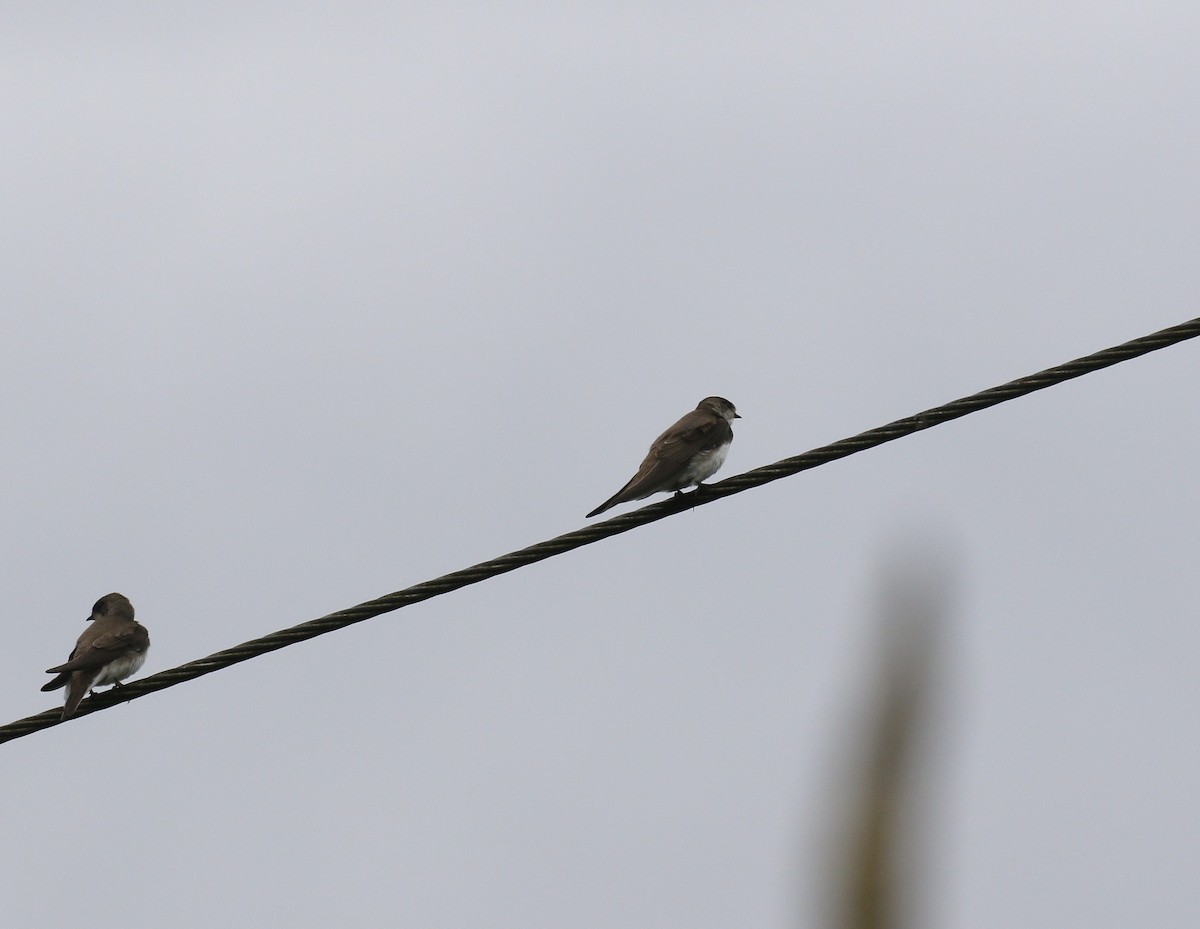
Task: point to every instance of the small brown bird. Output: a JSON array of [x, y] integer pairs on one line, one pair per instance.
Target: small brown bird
[[110, 649], [686, 454]]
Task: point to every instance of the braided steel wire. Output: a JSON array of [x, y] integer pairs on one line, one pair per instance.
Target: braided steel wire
[[610, 527]]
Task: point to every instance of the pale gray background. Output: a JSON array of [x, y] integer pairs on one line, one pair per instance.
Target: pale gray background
[[302, 305]]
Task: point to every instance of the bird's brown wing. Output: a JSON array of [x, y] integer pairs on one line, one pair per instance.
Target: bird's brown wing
[[672, 450], [101, 644], [63, 676]]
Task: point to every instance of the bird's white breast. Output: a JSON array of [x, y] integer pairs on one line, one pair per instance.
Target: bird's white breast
[[702, 466], [119, 669]]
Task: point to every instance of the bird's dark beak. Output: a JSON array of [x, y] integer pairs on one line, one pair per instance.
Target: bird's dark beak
[[737, 415]]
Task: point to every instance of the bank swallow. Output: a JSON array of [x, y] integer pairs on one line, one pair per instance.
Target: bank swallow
[[686, 454], [110, 649]]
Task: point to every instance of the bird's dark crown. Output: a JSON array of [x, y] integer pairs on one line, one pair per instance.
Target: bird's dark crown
[[718, 406], [110, 604]]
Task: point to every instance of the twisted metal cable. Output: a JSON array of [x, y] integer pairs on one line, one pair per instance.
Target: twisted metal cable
[[610, 527]]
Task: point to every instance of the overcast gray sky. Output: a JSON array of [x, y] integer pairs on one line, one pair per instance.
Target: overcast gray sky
[[305, 305]]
